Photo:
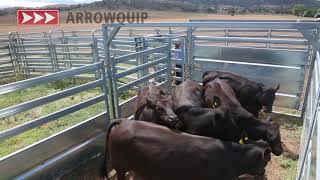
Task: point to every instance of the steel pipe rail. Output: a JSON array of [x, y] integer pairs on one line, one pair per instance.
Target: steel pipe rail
[[228, 24], [141, 67], [4, 89], [141, 80], [53, 116], [139, 54], [253, 40], [47, 99]]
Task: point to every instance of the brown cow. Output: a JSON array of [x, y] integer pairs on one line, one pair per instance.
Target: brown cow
[[156, 153], [252, 96], [190, 89], [153, 105]]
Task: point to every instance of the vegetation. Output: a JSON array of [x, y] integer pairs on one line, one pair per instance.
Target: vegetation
[[301, 10], [29, 137], [289, 166], [12, 144]]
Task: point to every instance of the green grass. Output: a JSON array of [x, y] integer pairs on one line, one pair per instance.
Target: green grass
[[27, 138], [282, 167], [290, 167]]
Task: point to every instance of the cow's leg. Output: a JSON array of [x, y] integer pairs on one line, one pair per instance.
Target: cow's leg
[[121, 174], [130, 175]]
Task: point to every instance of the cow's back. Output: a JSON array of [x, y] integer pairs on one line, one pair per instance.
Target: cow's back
[[153, 151], [156, 153], [246, 91]]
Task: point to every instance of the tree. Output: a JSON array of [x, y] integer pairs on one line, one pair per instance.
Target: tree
[[231, 11], [212, 10], [298, 9]]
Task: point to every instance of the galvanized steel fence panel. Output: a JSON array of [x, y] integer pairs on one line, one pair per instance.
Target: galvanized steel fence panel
[[6, 65], [39, 152], [265, 55], [308, 167], [143, 78]]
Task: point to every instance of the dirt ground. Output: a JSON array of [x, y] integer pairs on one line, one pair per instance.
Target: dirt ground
[[283, 168]]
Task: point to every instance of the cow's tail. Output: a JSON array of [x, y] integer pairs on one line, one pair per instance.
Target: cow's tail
[[104, 170]]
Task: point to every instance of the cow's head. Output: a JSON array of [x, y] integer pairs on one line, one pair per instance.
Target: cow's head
[[260, 157], [163, 108], [274, 137], [267, 98], [217, 93]]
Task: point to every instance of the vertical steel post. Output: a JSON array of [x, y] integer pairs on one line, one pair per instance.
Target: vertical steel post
[[311, 40], [107, 39], [13, 54], [269, 37], [115, 88], [105, 92], [309, 135], [107, 62], [226, 35], [184, 52], [169, 66], [189, 48]]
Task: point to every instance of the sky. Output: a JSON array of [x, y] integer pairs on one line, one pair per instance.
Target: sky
[[38, 3]]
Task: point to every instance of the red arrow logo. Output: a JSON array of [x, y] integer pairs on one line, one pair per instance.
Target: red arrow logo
[[38, 17]]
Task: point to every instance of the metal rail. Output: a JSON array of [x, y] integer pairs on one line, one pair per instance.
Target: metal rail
[[9, 111], [144, 67], [12, 110]]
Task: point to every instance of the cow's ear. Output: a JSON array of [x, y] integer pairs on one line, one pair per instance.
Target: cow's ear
[[269, 119], [276, 88], [163, 92], [150, 103], [261, 85], [216, 102]]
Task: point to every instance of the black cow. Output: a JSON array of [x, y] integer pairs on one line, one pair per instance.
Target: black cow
[[227, 122], [252, 96], [155, 152]]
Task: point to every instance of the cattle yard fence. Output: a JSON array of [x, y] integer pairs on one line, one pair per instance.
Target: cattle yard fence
[[121, 58]]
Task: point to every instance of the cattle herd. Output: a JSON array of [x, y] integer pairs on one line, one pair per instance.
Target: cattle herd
[[197, 132]]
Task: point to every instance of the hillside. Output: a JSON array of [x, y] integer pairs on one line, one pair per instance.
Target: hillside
[[210, 6], [249, 3], [238, 3]]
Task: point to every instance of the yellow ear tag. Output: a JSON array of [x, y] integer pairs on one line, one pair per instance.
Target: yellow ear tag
[[241, 141], [215, 104]]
